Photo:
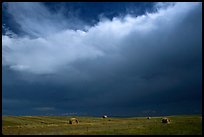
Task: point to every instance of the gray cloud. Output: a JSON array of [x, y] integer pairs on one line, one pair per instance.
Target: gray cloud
[[35, 19], [135, 63], [55, 48]]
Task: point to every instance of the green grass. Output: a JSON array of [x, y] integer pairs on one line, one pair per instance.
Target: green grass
[[58, 125]]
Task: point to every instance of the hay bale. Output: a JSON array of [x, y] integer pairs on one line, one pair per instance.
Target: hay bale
[[148, 117], [73, 121], [104, 116], [165, 120]]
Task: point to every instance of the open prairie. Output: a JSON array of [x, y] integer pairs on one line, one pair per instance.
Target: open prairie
[[59, 125]]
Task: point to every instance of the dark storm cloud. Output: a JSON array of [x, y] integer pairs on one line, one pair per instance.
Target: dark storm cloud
[[124, 66]]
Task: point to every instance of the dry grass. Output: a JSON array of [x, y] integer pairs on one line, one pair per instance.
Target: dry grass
[[59, 125]]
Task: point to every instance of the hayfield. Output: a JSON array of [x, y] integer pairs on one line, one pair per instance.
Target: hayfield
[[59, 125]]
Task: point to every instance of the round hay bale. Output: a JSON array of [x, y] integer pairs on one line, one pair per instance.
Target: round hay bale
[[73, 121], [148, 117], [165, 120], [104, 116]]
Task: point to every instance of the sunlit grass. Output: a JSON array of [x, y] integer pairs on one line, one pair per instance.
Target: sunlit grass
[[58, 125]]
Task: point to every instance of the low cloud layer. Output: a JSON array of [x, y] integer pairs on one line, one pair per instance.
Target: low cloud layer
[[124, 62]]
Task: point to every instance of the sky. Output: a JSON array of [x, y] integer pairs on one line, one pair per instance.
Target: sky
[[101, 58]]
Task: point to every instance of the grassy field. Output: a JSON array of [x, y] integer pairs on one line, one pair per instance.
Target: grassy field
[[58, 125]]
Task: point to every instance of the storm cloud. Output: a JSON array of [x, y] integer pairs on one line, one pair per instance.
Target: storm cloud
[[126, 65]]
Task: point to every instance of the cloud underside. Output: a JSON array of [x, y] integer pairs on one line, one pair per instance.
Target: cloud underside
[[54, 48], [127, 61]]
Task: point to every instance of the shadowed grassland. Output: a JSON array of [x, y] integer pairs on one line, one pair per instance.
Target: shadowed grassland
[[58, 125]]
